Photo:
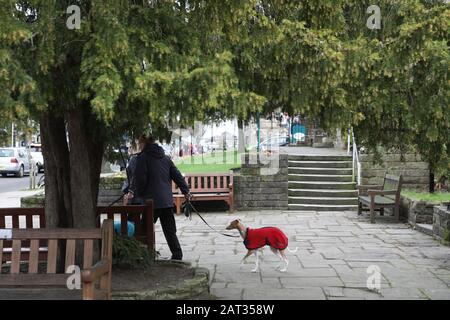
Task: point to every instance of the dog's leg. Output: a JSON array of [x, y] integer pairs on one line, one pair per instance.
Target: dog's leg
[[255, 269], [261, 251], [275, 252], [285, 259], [280, 254], [249, 253]]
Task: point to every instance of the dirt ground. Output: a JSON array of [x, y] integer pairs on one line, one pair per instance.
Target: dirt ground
[[158, 275]]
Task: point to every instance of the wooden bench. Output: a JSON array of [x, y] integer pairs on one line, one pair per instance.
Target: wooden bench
[[206, 187], [382, 196], [29, 278], [34, 218]]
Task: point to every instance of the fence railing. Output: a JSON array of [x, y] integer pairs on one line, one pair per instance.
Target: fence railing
[[356, 164]]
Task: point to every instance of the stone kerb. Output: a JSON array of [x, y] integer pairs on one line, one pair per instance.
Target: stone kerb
[[441, 223]]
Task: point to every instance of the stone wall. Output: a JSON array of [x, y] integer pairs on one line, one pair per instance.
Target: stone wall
[[34, 201], [417, 211], [441, 223], [110, 189], [261, 183], [415, 172]]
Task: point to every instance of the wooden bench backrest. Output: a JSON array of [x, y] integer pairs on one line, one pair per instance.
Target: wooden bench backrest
[[144, 227], [207, 183], [30, 218], [54, 237], [392, 182], [23, 218]]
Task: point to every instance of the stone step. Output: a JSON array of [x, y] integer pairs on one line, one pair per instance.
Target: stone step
[[319, 177], [323, 200], [322, 193], [330, 171], [295, 157], [324, 207], [424, 228], [320, 164], [321, 185]]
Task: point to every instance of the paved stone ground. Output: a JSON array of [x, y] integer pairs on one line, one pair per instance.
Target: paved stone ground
[[334, 251], [12, 199]]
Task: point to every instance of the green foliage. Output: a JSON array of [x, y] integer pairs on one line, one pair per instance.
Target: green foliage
[[128, 253], [447, 235], [437, 197], [215, 59]]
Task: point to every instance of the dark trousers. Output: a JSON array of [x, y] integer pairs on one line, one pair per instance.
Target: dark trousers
[[169, 229]]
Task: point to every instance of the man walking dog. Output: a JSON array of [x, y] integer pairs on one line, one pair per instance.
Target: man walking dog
[[152, 179]]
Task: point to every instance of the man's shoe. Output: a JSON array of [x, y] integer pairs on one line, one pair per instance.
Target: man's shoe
[[176, 258]]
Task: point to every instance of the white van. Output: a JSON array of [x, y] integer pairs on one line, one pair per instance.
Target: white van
[[14, 161]]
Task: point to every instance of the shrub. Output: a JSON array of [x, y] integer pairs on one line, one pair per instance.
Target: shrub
[[128, 253]]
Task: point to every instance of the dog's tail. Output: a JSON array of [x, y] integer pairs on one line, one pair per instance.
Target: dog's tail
[[292, 251]]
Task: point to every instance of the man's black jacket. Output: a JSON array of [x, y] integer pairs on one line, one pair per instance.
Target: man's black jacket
[[153, 175]]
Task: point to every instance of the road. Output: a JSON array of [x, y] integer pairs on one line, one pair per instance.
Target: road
[[11, 183]]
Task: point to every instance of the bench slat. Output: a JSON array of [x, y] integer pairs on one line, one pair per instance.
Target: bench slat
[[15, 256], [88, 251], [123, 225], [29, 221], [379, 200], [58, 233], [70, 253], [34, 257], [137, 225], [48, 293], [33, 279], [15, 222], [51, 255]]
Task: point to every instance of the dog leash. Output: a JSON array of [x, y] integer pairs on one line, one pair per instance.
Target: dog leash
[[189, 215]]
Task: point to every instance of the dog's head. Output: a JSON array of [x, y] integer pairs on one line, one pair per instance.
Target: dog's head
[[234, 224]]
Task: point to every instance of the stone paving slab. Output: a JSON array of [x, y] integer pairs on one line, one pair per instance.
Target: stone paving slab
[[334, 252]]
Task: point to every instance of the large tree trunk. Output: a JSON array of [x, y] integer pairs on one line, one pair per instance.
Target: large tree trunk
[[58, 204], [86, 152]]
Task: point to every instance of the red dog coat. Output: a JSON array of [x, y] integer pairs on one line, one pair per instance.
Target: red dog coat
[[271, 236]]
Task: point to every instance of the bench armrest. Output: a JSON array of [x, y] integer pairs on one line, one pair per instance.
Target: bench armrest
[[362, 189], [365, 187], [381, 192], [96, 272]]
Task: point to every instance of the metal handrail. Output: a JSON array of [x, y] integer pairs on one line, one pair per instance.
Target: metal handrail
[[355, 156]]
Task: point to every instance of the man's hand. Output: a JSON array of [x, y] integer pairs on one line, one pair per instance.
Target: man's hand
[[188, 196], [128, 196]]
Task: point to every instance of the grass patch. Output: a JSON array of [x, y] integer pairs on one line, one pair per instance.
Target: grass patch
[[220, 162], [436, 197]]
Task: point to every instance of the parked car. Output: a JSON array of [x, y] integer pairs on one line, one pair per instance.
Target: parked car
[[14, 161]]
